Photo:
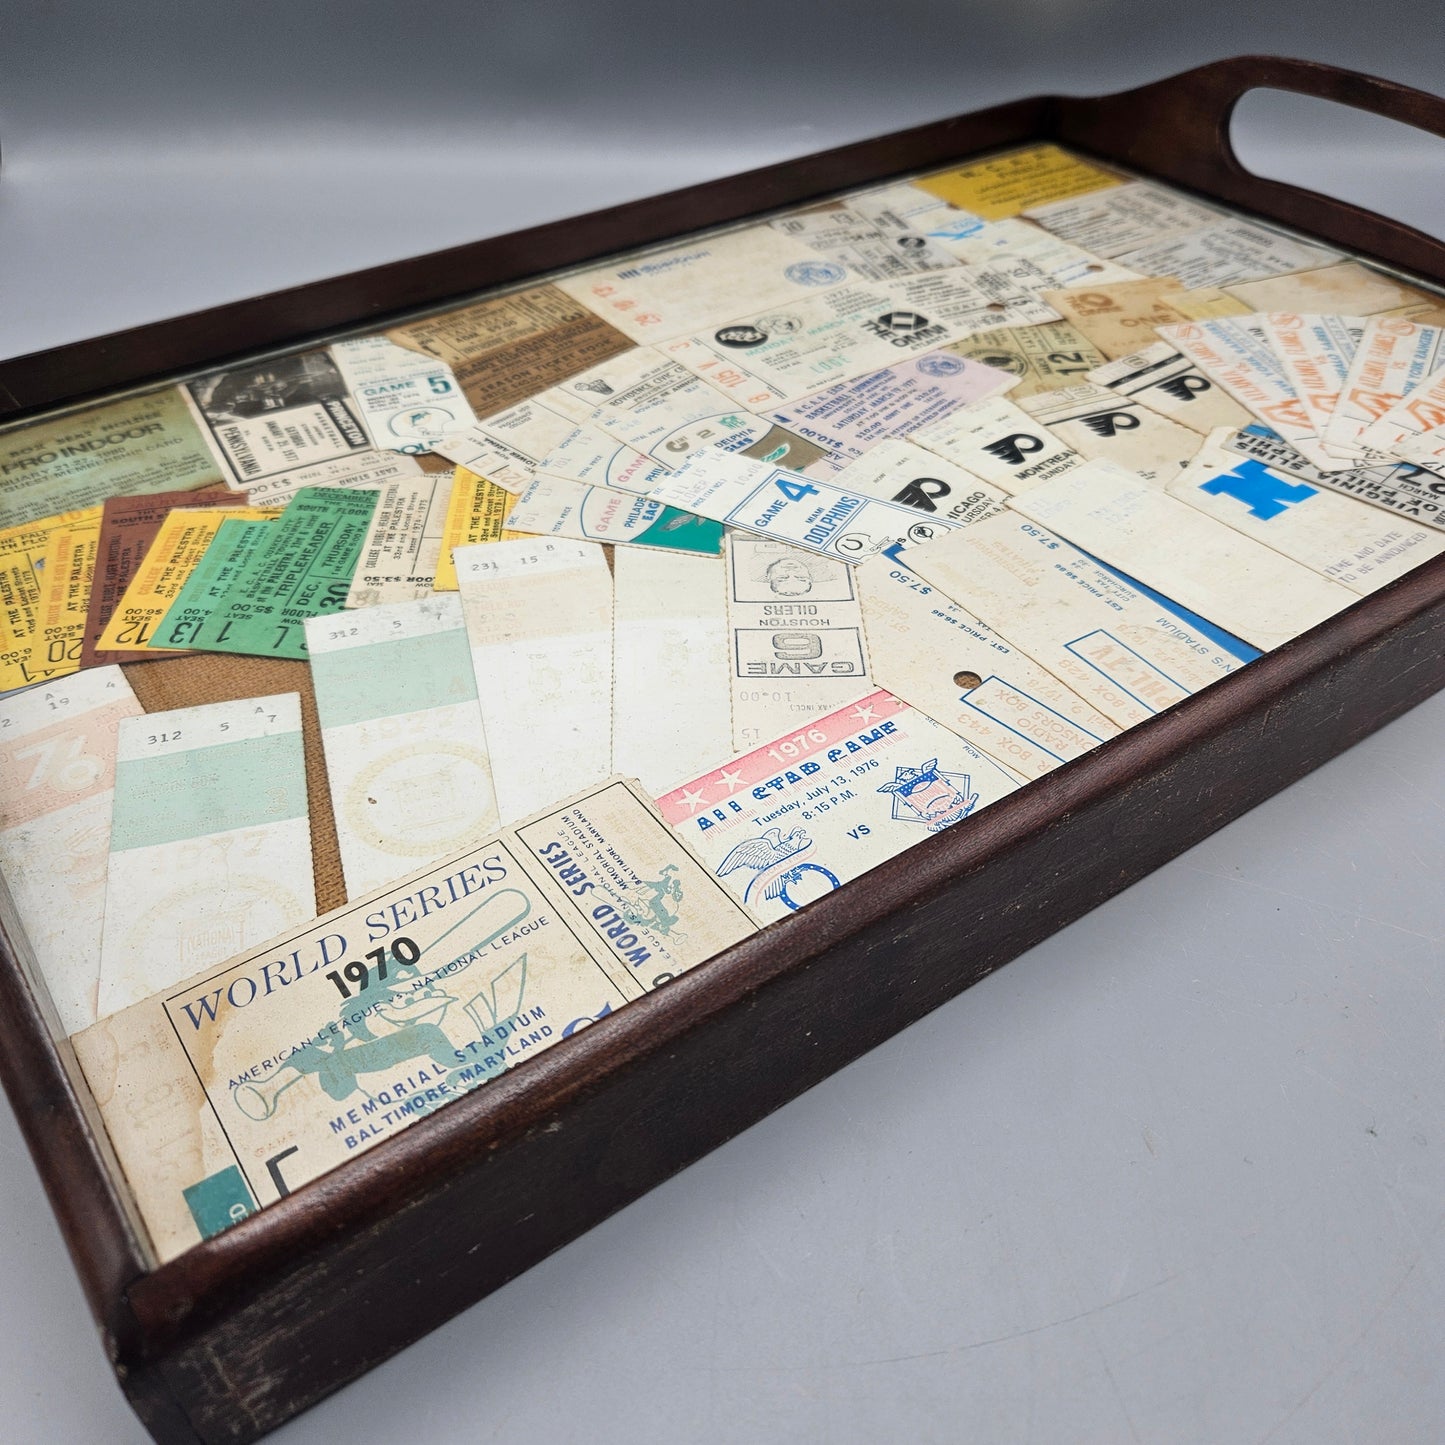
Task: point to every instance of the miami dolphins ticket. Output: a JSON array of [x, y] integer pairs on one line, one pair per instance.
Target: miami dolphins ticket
[[703, 282], [903, 472], [795, 635], [1041, 358], [1315, 351], [231, 1090], [476, 514], [406, 750], [1122, 218], [942, 660], [57, 781], [361, 470], [210, 844], [403, 543], [555, 507], [539, 620], [407, 400], [1162, 378], [1120, 317], [671, 708], [773, 502], [1348, 541], [1227, 252], [848, 418], [787, 823], [1000, 442], [1101, 425], [1394, 356], [1057, 260], [1238, 583]]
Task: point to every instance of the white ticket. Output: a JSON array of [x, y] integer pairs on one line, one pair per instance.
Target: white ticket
[[852, 416], [1412, 428], [1101, 425], [906, 473], [1235, 352], [671, 709], [406, 752], [876, 248], [362, 469], [818, 515], [1125, 650], [1348, 541], [1000, 442], [1005, 292], [404, 542], [942, 660], [787, 823], [702, 282], [507, 447], [407, 401], [1315, 351], [795, 635], [1165, 380], [1226, 253], [539, 620], [1394, 356], [1240, 584], [210, 843], [556, 507], [1063, 263], [1122, 218], [57, 781]]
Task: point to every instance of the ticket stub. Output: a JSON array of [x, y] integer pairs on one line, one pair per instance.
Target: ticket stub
[[268, 418], [1125, 650], [796, 637], [1062, 263], [815, 514], [555, 507], [225, 1093], [1315, 352], [57, 778], [142, 444], [476, 514], [703, 282], [66, 574], [210, 845], [1348, 541], [901, 212], [1412, 429], [787, 823], [22, 556], [304, 569], [406, 751], [1393, 357], [1240, 584], [907, 473], [507, 348], [1347, 288], [942, 660], [1041, 358], [1163, 379], [671, 709], [407, 400], [235, 543], [1235, 352], [846, 419], [1101, 425], [1406, 490], [1225, 253], [1016, 181], [1000, 442], [1123, 217], [869, 248], [1205, 303], [1005, 292], [539, 621], [403, 543], [360, 470], [1121, 318]]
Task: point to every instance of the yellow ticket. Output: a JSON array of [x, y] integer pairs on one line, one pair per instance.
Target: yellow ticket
[[1005, 185], [172, 557], [475, 514], [22, 558], [66, 572]]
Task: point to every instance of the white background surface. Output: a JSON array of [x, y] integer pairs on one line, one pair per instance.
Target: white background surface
[[1176, 1175]]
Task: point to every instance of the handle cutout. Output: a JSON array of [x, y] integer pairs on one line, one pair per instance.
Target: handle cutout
[[1383, 165]]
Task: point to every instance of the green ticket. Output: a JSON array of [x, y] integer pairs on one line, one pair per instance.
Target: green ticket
[[302, 569], [137, 446], [231, 551]]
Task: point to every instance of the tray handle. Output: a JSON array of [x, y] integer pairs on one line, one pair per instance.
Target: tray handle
[[1178, 130]]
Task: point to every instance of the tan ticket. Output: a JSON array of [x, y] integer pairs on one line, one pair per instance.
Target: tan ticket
[[1122, 318], [1043, 358], [1102, 425], [1123, 218], [1347, 288], [1162, 378]]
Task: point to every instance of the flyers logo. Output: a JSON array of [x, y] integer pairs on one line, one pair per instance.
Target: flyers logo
[[1186, 387], [924, 493], [1110, 423], [1011, 450]]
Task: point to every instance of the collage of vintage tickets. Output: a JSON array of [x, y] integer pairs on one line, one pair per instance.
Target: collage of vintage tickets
[[642, 606]]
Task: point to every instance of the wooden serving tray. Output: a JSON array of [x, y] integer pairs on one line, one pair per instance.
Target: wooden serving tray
[[251, 1326]]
